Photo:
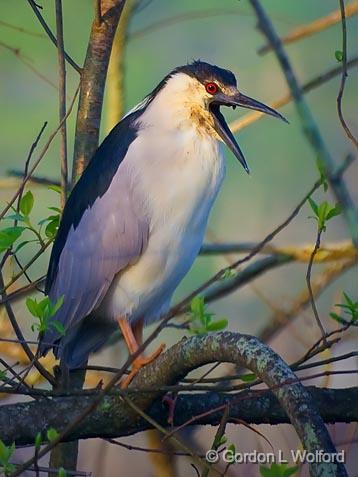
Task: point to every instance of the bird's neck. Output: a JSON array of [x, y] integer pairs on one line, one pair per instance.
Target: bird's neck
[[178, 107]]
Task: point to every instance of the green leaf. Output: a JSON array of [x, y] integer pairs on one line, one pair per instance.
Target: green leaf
[[290, 471], [217, 325], [32, 306], [51, 228], [322, 173], [58, 327], [339, 55], [337, 318], [277, 470], [57, 305], [349, 301], [247, 378], [18, 217], [22, 244], [219, 441], [62, 472], [197, 305], [55, 188], [6, 452], [232, 448], [313, 205], [55, 209], [27, 203], [38, 441], [334, 211], [52, 434], [3, 375], [8, 236]]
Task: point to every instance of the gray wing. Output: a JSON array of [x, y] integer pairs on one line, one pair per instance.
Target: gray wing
[[110, 235]]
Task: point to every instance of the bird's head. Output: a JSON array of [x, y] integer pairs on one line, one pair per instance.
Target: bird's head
[[198, 90]]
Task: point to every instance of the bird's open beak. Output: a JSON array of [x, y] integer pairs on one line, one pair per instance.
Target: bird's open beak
[[222, 127]]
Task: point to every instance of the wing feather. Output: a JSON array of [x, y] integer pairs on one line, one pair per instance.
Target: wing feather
[[107, 239]]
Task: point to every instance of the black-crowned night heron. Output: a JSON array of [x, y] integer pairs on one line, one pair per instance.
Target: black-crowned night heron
[[135, 220]]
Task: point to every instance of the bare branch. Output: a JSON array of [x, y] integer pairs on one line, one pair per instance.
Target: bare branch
[[309, 286], [316, 26], [252, 117], [344, 75], [27, 62], [51, 35], [32, 358], [183, 357], [62, 100], [318, 284], [309, 124], [42, 154]]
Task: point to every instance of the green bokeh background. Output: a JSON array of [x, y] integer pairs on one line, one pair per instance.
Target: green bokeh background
[[281, 161]]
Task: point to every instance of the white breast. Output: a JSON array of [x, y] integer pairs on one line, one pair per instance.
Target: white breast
[[180, 173]]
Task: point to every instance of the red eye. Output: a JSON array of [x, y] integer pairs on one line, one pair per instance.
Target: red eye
[[211, 88]]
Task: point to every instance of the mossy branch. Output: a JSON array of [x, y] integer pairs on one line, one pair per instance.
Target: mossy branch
[[21, 422]]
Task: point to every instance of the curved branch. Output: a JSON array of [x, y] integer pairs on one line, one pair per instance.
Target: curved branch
[[28, 418]]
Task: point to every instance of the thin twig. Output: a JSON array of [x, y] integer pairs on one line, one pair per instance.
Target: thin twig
[[51, 35], [218, 435], [27, 62], [309, 124], [316, 26], [344, 75], [20, 337], [248, 119], [42, 154], [21, 30], [309, 286], [62, 100]]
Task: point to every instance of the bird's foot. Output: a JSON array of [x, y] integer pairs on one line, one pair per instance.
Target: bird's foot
[[139, 363]]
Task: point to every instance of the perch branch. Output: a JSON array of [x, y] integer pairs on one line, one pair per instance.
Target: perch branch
[[171, 366]]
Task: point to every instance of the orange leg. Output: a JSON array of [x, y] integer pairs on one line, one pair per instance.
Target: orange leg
[[134, 338]]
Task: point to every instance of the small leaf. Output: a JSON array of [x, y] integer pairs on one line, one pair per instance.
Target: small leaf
[[55, 209], [58, 327], [337, 318], [62, 472], [217, 325], [57, 305], [8, 236], [313, 205], [51, 228], [197, 305], [290, 471], [18, 217], [55, 188], [52, 434], [334, 211], [21, 245], [32, 306], [27, 203], [247, 378], [38, 441], [339, 55]]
